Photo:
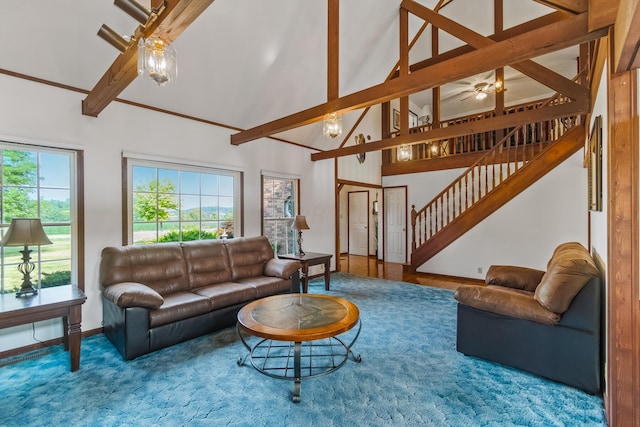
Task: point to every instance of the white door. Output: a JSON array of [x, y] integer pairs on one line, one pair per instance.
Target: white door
[[359, 223], [395, 224]]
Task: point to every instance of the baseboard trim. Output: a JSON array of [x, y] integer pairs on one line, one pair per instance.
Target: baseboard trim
[[43, 344]]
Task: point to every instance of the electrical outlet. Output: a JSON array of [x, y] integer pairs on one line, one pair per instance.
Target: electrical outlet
[[479, 270]]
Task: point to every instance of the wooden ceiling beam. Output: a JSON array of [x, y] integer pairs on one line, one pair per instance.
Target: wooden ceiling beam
[[498, 122], [550, 38], [541, 74], [572, 6], [333, 49], [626, 36], [176, 17], [602, 13], [505, 34]]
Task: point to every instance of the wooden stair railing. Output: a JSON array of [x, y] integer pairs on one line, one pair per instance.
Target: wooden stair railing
[[431, 225]]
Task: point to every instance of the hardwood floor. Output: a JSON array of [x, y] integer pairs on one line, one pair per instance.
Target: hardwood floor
[[370, 267]]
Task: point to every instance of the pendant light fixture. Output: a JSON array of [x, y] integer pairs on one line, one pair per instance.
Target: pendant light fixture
[[332, 125], [157, 60], [404, 153]]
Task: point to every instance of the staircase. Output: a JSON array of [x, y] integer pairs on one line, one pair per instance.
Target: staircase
[[522, 157]]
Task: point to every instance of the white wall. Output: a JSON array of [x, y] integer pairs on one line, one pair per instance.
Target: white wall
[[348, 166], [523, 232], [45, 115]]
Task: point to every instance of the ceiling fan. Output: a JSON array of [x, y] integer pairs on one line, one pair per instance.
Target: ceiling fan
[[480, 91], [477, 87]]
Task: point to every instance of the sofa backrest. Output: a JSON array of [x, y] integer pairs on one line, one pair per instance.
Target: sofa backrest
[[207, 262], [160, 266], [568, 270], [248, 255]]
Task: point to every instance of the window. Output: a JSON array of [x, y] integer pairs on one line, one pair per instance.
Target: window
[[279, 208], [171, 203], [40, 183]]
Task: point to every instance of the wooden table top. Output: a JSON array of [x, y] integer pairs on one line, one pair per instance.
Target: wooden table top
[[308, 256], [298, 317], [47, 298]]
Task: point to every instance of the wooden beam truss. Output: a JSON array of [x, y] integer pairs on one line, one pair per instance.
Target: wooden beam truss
[[548, 38]]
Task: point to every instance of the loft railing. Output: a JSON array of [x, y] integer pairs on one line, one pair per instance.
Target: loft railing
[[518, 147], [481, 141]]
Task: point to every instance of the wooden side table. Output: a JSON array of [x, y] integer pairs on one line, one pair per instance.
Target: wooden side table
[[309, 259], [49, 303]]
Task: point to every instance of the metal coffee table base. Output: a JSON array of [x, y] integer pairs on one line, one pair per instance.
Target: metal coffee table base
[[295, 361]]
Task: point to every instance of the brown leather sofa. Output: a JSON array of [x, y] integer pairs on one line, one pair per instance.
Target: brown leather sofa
[[547, 323], [161, 294]]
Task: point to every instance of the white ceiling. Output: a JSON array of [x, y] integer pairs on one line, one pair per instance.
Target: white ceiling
[[243, 63]]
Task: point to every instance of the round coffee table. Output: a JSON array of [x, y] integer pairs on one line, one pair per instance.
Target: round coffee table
[[299, 334]]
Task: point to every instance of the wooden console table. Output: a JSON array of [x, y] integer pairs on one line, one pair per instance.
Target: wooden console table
[[308, 259], [49, 303]]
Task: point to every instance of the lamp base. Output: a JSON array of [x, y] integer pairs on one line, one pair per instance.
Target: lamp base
[[26, 291]]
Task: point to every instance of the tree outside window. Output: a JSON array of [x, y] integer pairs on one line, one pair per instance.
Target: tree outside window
[[182, 204], [37, 183]]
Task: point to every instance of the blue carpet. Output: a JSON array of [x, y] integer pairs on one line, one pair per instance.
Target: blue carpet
[[410, 375]]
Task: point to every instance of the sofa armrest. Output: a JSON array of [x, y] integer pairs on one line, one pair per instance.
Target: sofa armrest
[[514, 277], [505, 301], [281, 268], [132, 294]]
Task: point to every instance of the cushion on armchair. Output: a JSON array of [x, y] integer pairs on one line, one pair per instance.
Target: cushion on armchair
[[514, 277], [567, 273], [505, 301]]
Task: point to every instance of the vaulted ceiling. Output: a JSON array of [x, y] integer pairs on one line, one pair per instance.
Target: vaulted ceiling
[[245, 63]]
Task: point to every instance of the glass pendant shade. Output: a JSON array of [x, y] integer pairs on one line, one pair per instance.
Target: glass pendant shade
[[404, 153], [157, 59], [332, 125]]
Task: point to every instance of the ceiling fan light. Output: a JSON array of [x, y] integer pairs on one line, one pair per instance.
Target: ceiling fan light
[[404, 153], [157, 60], [332, 125], [481, 95], [134, 10], [113, 38]]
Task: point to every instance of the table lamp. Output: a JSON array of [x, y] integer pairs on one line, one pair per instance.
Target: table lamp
[[25, 232], [299, 224]]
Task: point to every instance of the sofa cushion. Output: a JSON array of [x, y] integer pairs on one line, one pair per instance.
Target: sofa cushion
[[505, 301], [207, 262], [178, 306], [248, 255], [131, 294], [568, 271], [514, 277], [266, 286], [160, 266], [227, 294]]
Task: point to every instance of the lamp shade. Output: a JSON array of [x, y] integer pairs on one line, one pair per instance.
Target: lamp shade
[[300, 223], [25, 232]]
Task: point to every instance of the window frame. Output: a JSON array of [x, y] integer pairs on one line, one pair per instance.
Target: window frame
[[130, 162], [296, 207], [76, 212]]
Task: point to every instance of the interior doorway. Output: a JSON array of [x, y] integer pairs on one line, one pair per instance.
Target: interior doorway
[[358, 214], [395, 224]]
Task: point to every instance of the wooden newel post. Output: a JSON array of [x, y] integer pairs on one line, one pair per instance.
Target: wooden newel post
[[414, 214]]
